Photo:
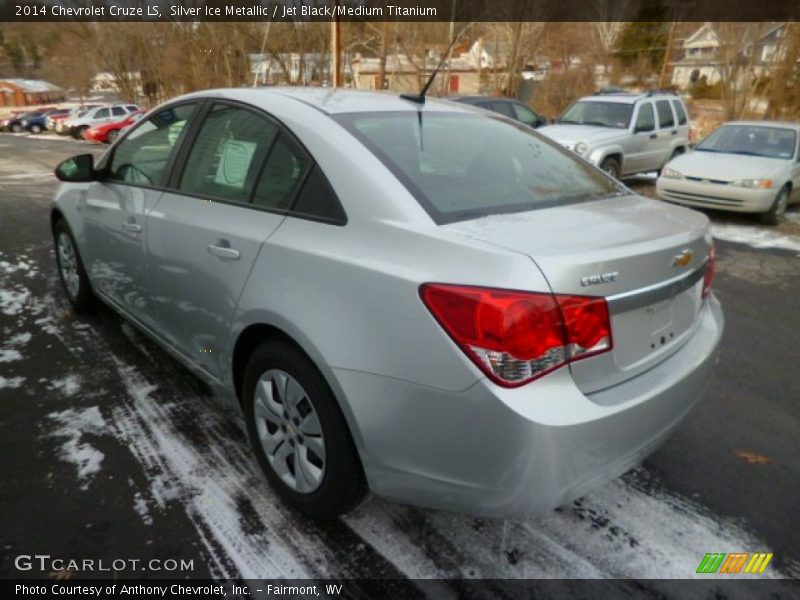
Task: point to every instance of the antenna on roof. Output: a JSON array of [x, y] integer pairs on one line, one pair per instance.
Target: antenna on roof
[[420, 98]]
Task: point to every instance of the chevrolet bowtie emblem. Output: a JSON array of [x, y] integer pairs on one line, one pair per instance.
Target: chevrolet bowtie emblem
[[682, 259]]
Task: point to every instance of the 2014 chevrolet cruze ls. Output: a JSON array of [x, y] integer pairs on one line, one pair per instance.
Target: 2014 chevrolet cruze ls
[[420, 299]]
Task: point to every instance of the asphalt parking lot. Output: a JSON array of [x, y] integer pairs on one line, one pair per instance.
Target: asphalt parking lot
[[111, 450]]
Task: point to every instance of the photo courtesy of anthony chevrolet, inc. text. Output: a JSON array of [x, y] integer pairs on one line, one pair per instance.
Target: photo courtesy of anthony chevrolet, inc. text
[[408, 299]]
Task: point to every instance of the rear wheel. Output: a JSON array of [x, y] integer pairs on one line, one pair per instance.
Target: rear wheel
[[16, 128], [299, 434], [80, 131], [36, 128], [778, 209], [70, 269], [112, 135], [611, 166]]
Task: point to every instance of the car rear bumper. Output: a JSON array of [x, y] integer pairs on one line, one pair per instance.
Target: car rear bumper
[[715, 195], [501, 452]]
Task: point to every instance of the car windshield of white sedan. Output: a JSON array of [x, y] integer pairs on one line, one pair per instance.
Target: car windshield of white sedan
[[751, 140], [467, 166], [600, 114]]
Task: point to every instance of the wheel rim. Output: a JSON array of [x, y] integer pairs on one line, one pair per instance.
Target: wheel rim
[[611, 169], [112, 135], [68, 264], [289, 431]]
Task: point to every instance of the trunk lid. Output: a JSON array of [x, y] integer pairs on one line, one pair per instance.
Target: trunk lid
[[644, 256]]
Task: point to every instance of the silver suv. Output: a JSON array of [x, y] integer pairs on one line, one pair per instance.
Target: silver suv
[[624, 133]]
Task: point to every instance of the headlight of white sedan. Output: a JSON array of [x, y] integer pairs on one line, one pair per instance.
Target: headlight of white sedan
[[581, 148], [760, 184], [671, 174]]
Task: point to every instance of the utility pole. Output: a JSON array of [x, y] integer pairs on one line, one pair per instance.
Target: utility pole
[[667, 56], [336, 48]]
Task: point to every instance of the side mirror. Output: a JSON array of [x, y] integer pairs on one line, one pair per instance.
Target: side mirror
[[77, 169]]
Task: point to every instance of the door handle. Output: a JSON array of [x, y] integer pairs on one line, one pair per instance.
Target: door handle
[[675, 132], [653, 136], [222, 248], [132, 226]]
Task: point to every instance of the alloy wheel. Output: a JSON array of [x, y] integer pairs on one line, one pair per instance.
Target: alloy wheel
[[289, 430]]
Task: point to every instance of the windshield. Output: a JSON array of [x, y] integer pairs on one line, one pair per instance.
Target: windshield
[[751, 140], [602, 114], [467, 166]]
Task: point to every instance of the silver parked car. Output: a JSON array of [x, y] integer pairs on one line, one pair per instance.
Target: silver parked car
[[420, 299], [747, 166], [624, 133]]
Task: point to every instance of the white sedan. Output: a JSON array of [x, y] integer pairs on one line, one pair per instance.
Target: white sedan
[[746, 166]]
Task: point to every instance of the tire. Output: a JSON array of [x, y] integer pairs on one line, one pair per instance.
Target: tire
[[16, 128], [80, 131], [70, 269], [778, 209], [112, 135], [611, 166], [332, 481], [36, 129]]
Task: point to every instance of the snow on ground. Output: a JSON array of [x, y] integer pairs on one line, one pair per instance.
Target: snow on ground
[[69, 385], [13, 383], [757, 236], [621, 530], [73, 425]]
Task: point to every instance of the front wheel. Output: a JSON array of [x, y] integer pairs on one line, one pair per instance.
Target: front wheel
[[36, 129], [112, 135], [16, 128], [70, 269], [611, 166], [778, 209], [299, 434]]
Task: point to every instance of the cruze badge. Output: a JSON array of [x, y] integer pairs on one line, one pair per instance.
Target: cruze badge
[[600, 278], [682, 259]]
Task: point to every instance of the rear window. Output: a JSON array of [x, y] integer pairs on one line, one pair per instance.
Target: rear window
[[467, 166]]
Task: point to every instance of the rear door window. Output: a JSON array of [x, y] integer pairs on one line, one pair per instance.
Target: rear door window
[[227, 153], [118, 111], [504, 108], [665, 118]]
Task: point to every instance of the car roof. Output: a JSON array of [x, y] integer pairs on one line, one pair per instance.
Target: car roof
[[334, 101], [780, 124], [627, 97]]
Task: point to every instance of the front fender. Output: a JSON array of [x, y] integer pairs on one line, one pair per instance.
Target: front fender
[[598, 155]]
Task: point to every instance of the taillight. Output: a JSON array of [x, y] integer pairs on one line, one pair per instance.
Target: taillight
[[515, 337], [708, 278]]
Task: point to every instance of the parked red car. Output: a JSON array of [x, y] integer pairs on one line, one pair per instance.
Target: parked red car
[[106, 133]]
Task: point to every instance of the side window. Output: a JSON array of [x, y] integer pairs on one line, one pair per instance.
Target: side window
[[317, 200], [131, 108], [142, 157], [228, 153], [525, 114], [283, 175], [504, 108], [118, 111], [101, 114], [678, 106], [665, 118], [646, 120]]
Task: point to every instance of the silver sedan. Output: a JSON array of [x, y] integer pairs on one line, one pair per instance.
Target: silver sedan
[[747, 166], [417, 299]]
